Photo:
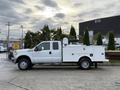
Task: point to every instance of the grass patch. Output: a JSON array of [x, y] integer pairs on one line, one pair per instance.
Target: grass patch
[[114, 61], [112, 51]]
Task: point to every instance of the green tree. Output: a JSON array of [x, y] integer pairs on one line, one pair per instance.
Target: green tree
[[72, 34], [111, 41], [46, 33], [99, 39], [32, 39], [58, 34], [28, 40], [86, 40], [36, 38]]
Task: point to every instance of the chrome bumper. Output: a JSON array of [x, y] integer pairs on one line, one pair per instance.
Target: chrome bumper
[[13, 59]]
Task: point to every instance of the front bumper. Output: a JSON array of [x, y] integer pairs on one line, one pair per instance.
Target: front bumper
[[12, 57]]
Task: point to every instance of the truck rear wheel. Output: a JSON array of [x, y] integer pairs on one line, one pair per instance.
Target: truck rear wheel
[[24, 64], [85, 63]]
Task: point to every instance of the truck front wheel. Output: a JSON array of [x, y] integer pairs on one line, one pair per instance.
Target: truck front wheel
[[85, 63], [24, 64]]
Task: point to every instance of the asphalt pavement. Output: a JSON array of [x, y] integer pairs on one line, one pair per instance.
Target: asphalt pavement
[[57, 77]]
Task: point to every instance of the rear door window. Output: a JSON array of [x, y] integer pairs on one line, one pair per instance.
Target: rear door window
[[55, 46]]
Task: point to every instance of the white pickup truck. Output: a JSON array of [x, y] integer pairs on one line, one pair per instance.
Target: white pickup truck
[[59, 53]]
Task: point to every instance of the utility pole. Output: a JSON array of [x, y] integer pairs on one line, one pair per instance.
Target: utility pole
[[22, 37], [8, 40]]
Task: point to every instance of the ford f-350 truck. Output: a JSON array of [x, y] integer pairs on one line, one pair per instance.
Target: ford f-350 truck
[[59, 53]]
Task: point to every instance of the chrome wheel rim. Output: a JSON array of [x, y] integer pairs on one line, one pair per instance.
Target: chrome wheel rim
[[23, 65], [85, 64]]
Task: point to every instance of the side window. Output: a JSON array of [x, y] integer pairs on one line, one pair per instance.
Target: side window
[[55, 46], [44, 46]]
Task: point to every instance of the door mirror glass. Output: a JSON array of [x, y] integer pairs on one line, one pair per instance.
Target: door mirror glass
[[36, 49]]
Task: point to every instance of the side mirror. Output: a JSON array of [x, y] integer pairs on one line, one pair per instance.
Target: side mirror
[[36, 49]]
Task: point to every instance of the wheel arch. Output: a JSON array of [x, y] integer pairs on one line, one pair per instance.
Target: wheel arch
[[84, 57], [23, 56]]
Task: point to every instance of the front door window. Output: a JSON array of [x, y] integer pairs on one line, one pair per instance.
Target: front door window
[[43, 46]]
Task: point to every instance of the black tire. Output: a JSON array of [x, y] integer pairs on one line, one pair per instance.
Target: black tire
[[85, 63], [24, 64], [31, 65]]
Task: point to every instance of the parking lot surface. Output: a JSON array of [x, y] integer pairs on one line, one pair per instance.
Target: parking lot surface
[[57, 77]]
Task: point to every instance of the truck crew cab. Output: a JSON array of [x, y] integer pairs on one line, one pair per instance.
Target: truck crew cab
[[59, 53]]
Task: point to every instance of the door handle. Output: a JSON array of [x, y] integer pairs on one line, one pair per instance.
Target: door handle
[[50, 52]]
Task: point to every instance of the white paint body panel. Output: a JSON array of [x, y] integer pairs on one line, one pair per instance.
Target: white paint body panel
[[72, 53]]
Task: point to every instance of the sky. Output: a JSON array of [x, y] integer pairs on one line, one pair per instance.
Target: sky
[[34, 14]]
